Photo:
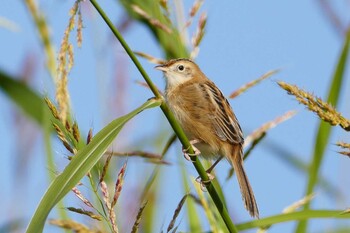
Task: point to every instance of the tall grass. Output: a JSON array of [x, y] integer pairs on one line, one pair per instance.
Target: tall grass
[[90, 160]]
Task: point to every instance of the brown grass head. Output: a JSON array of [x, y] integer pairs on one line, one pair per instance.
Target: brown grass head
[[199, 34], [89, 136], [248, 85], [324, 110], [85, 212], [135, 227], [70, 225], [119, 185], [150, 58], [176, 212], [153, 21], [81, 197], [75, 131], [256, 134], [66, 61], [62, 137], [105, 168], [52, 108], [344, 146]]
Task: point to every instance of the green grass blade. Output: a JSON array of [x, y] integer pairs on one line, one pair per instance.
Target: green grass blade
[[172, 44], [35, 108], [174, 124], [25, 98], [192, 214], [324, 128], [300, 215], [81, 163]]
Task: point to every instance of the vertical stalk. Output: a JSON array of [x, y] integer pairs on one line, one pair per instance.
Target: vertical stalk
[[176, 127]]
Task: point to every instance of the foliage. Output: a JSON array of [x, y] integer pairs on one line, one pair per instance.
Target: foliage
[[89, 161]]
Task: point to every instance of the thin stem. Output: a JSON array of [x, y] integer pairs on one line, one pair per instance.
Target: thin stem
[[176, 127]]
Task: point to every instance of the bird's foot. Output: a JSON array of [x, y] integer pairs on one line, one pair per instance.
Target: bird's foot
[[203, 183], [196, 151]]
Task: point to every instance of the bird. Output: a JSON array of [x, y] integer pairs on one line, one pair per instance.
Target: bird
[[207, 119]]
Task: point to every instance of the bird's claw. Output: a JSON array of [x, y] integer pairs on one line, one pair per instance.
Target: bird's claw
[[204, 182], [195, 149]]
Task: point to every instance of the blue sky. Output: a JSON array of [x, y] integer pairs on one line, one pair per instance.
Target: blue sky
[[244, 39]]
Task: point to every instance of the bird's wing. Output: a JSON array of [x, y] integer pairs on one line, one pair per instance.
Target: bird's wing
[[223, 119]]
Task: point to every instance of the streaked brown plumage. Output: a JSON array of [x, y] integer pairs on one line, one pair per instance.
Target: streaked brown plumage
[[205, 115]]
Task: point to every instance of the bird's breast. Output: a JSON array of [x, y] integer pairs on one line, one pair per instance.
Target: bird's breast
[[194, 121]]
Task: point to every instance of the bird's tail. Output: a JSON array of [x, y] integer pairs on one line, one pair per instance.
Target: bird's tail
[[244, 185]]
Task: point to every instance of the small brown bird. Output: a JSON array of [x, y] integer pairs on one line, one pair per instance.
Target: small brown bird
[[207, 119]]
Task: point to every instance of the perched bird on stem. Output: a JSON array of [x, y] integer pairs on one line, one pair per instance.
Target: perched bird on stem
[[207, 119]]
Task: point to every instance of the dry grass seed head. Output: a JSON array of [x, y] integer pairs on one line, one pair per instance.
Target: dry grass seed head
[[68, 126], [89, 136], [70, 57], [62, 96], [248, 85], [81, 197], [347, 211], [176, 212], [105, 167], [150, 58], [52, 108], [44, 33], [110, 211], [75, 131], [105, 194], [346, 153], [69, 148], [71, 225], [195, 7], [119, 185], [64, 66], [345, 146], [193, 11], [138, 219], [62, 137], [154, 22], [85, 212], [198, 36], [296, 205], [324, 110], [152, 157], [267, 126], [112, 219], [80, 29]]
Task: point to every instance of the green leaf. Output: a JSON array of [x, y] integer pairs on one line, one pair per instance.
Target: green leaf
[[33, 105], [192, 213], [150, 192], [81, 163], [173, 45], [174, 124], [324, 129], [24, 97], [300, 215]]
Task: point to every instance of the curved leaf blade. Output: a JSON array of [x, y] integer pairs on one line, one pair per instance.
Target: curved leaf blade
[[299, 215], [24, 97], [324, 129], [80, 165]]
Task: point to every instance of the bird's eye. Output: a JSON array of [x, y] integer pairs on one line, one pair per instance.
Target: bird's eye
[[180, 67]]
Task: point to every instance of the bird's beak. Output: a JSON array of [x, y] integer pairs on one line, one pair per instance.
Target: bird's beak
[[161, 67]]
